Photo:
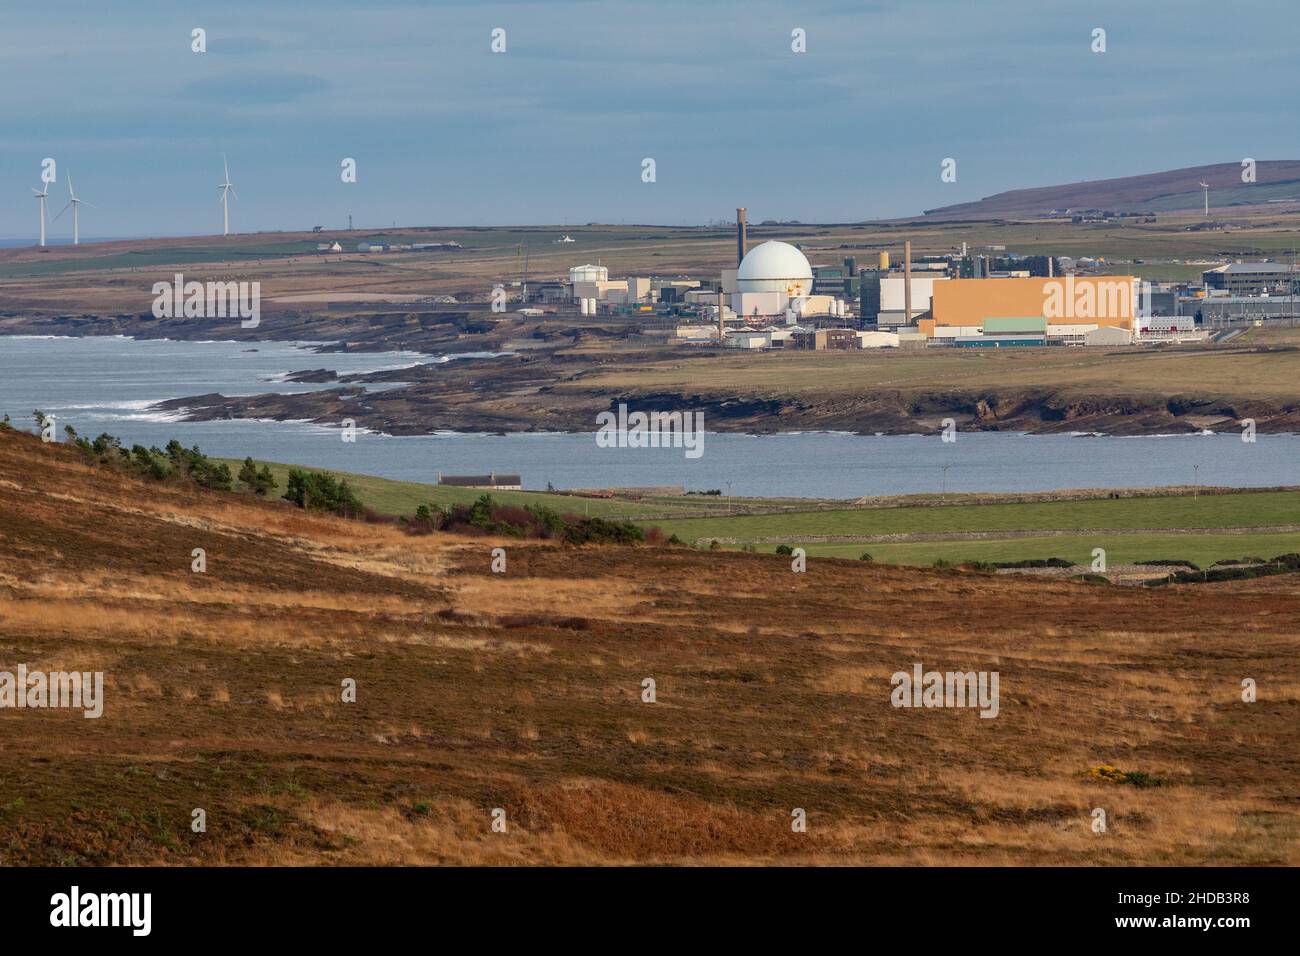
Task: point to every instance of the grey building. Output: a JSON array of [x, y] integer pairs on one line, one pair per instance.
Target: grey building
[[1253, 278]]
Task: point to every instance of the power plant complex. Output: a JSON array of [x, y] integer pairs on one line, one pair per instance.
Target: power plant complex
[[776, 298]]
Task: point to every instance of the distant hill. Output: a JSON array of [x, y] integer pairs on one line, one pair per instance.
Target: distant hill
[[1177, 190]]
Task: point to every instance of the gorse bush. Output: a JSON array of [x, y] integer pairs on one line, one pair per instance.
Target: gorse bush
[[321, 491], [1282, 564], [485, 516], [1170, 562]]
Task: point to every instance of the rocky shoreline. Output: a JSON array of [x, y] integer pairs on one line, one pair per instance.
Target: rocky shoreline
[[524, 394], [540, 378]]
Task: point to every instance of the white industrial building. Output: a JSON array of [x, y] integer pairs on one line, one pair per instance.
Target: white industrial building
[[588, 273], [877, 340], [893, 297], [774, 282]]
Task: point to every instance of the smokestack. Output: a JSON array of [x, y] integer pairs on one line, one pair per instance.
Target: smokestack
[[1051, 267], [722, 309], [740, 234], [907, 282]]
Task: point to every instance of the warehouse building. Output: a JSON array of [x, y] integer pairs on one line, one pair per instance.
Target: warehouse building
[[1253, 278], [1028, 311]]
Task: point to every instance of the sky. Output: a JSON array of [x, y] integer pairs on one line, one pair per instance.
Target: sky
[[555, 129]]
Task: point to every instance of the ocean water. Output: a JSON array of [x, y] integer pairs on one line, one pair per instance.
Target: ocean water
[[109, 384]]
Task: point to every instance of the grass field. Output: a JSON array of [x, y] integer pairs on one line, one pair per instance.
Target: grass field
[[391, 497], [1201, 549], [1243, 510], [1093, 518], [1093, 371], [68, 278]]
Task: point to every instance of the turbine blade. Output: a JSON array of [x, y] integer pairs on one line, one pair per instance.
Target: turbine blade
[[226, 166], [233, 193], [90, 204], [61, 212]]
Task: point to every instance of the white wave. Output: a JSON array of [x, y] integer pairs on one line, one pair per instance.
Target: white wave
[[134, 405]]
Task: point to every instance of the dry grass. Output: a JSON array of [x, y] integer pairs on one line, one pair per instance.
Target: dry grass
[[522, 691]]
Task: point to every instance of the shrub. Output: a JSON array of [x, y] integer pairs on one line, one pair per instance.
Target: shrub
[[258, 482], [1108, 773], [784, 549], [603, 531], [865, 556], [321, 491], [1035, 563], [1282, 564]]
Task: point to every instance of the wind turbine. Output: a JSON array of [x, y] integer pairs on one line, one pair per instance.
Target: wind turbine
[[1206, 187], [42, 195], [226, 188], [73, 203]]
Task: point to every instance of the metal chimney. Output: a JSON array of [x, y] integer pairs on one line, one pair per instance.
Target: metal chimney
[[907, 282], [740, 234]]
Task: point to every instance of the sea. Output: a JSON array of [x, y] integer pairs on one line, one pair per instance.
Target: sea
[[112, 383]]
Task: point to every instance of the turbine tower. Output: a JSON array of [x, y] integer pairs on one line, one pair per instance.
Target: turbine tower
[[226, 188], [73, 203], [42, 195], [1206, 187]]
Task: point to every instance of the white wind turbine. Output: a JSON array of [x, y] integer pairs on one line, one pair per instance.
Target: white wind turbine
[[1206, 187], [227, 188], [73, 203], [42, 194]]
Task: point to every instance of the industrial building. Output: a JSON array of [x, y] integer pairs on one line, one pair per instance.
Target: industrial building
[[821, 339], [1253, 278], [1029, 311]]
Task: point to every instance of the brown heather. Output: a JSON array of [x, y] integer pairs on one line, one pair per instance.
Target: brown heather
[[522, 691]]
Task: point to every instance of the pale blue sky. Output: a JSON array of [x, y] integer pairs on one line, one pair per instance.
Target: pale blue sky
[[553, 131]]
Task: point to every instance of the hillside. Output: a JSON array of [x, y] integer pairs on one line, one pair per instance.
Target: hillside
[[1277, 181], [522, 691]]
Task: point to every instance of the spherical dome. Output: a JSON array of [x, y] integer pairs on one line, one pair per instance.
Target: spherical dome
[[775, 267]]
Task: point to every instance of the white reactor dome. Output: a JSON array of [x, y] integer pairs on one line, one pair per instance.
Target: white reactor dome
[[775, 267]]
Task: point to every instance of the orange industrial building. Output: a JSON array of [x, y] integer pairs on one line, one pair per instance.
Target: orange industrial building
[[975, 307]]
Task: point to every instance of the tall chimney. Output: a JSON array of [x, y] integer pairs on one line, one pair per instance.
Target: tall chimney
[[907, 282], [722, 314], [740, 234]]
